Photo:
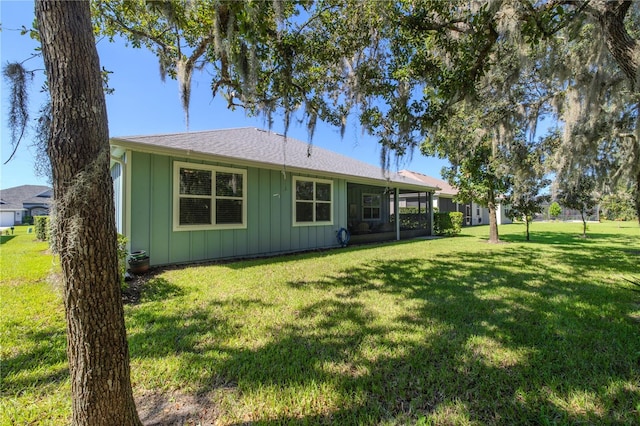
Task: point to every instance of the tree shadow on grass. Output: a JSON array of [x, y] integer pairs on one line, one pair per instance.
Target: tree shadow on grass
[[43, 363], [316, 254], [554, 238], [602, 251], [463, 339], [6, 238]]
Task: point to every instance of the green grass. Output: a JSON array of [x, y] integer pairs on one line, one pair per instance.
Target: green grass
[[448, 331], [34, 372], [22, 257]]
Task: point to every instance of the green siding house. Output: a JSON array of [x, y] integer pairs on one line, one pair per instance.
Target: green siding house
[[235, 193]]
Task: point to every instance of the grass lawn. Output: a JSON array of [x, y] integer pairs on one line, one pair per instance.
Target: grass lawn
[[447, 331]]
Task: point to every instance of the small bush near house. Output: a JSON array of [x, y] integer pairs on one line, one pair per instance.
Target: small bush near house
[[27, 220], [456, 222], [448, 223], [122, 259], [41, 224], [441, 222]]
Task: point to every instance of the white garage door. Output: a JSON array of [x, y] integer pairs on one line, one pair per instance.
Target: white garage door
[[6, 218]]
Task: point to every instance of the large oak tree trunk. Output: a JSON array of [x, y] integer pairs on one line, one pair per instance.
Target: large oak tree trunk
[[637, 195], [493, 219], [624, 48], [85, 234]]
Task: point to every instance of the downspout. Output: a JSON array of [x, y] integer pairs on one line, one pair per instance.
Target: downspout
[[396, 205]]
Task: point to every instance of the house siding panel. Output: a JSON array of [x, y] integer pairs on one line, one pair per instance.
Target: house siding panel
[[286, 211], [227, 246], [141, 193], [269, 216], [264, 208], [240, 243], [179, 250], [275, 201], [160, 216], [253, 212], [213, 244], [198, 246]]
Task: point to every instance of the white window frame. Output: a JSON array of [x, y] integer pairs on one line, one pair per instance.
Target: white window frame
[[297, 179], [379, 207], [177, 165]]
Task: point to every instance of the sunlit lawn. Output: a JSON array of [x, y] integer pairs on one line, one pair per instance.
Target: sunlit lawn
[[448, 331]]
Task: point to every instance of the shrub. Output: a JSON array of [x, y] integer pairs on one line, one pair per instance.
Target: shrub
[[122, 259], [456, 222], [410, 217], [555, 210], [441, 222], [27, 220], [618, 206], [447, 223], [412, 210], [41, 224]]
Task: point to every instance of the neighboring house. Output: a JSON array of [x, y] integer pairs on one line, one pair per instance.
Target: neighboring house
[[247, 192], [24, 200], [444, 201]]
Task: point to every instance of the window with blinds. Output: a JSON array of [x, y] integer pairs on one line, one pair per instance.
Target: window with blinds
[[208, 197], [312, 204]]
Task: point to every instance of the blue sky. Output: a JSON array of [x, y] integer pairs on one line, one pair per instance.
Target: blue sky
[[143, 104]]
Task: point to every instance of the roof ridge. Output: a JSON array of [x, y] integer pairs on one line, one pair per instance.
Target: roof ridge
[[187, 132]]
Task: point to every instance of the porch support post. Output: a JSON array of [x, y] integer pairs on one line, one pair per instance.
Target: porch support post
[[396, 207], [419, 214], [430, 194]]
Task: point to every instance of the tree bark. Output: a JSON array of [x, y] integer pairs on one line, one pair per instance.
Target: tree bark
[[637, 195], [85, 235], [624, 49], [493, 219]]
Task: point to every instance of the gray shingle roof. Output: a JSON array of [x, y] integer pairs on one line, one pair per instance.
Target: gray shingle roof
[[268, 149], [445, 189], [14, 198]]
